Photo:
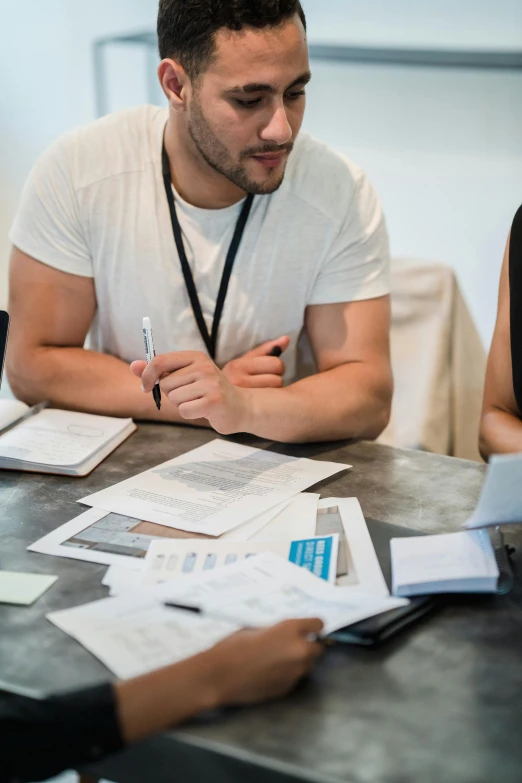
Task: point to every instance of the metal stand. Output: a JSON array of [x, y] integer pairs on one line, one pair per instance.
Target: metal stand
[[418, 58]]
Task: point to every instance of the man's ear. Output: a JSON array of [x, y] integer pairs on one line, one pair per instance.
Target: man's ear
[[174, 82]]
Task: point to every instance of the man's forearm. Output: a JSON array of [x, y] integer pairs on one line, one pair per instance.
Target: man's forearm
[[77, 379], [500, 433], [351, 401]]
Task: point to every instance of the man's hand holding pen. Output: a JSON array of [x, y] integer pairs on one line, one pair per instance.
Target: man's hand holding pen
[[200, 390]]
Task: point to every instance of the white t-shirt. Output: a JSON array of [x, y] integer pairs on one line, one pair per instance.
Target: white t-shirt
[[95, 205]]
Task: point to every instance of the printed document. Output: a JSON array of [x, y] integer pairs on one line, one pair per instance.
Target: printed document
[[136, 632], [172, 559], [283, 591], [500, 501], [213, 488], [122, 542]]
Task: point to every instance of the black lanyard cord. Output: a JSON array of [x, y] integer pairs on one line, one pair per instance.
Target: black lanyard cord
[[210, 340]]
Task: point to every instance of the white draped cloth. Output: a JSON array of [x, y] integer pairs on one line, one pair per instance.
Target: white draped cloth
[[438, 361]]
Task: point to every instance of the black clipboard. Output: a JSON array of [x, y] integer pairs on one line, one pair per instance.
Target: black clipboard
[[375, 630], [4, 331]]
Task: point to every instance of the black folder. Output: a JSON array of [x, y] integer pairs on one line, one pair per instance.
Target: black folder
[[377, 629]]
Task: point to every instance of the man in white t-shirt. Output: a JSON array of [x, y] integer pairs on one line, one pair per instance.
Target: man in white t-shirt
[[95, 248]]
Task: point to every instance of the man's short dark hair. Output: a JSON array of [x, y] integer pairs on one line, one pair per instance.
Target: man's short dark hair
[[186, 28]]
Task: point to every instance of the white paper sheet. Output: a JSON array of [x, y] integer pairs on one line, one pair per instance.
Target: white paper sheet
[[364, 571], [295, 521], [170, 560], [120, 579], [449, 563], [97, 537], [500, 502], [249, 530], [213, 488], [287, 591], [60, 438], [134, 633]]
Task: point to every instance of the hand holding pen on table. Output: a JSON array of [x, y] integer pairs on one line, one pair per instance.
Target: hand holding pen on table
[[200, 390]]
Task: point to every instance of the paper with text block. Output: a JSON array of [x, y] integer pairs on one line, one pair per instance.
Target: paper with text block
[[213, 488]]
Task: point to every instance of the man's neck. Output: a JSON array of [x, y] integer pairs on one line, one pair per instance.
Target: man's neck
[[194, 179]]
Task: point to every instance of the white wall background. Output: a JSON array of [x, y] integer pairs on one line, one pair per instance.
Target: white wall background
[[46, 81], [443, 147]]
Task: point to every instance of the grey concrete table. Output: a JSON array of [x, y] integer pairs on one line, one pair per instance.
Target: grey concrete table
[[442, 702]]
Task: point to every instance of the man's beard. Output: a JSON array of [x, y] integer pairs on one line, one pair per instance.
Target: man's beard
[[214, 152]]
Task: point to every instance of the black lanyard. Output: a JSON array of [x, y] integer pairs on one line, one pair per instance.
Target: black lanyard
[[210, 340]]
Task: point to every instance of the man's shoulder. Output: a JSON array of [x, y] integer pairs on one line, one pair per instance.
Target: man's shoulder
[[322, 177], [118, 143]]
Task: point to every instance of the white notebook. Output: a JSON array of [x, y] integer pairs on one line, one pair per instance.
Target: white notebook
[[63, 442], [461, 562], [11, 411]]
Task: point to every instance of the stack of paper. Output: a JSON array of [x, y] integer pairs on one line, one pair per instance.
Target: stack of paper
[[138, 631], [122, 542], [217, 529]]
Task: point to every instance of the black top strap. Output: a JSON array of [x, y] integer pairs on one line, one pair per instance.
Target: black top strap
[[515, 294], [210, 340]]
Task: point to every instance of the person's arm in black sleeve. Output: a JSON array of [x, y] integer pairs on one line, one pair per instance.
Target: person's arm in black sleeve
[[39, 739]]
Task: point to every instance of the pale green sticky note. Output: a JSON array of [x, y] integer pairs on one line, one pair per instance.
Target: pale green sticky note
[[20, 588]]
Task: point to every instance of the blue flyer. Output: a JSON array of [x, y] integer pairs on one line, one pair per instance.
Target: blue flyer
[[318, 555]]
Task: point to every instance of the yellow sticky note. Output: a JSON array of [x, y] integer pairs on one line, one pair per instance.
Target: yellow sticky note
[[20, 588]]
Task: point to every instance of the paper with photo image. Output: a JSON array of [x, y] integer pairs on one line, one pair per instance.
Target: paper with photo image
[[120, 541]]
